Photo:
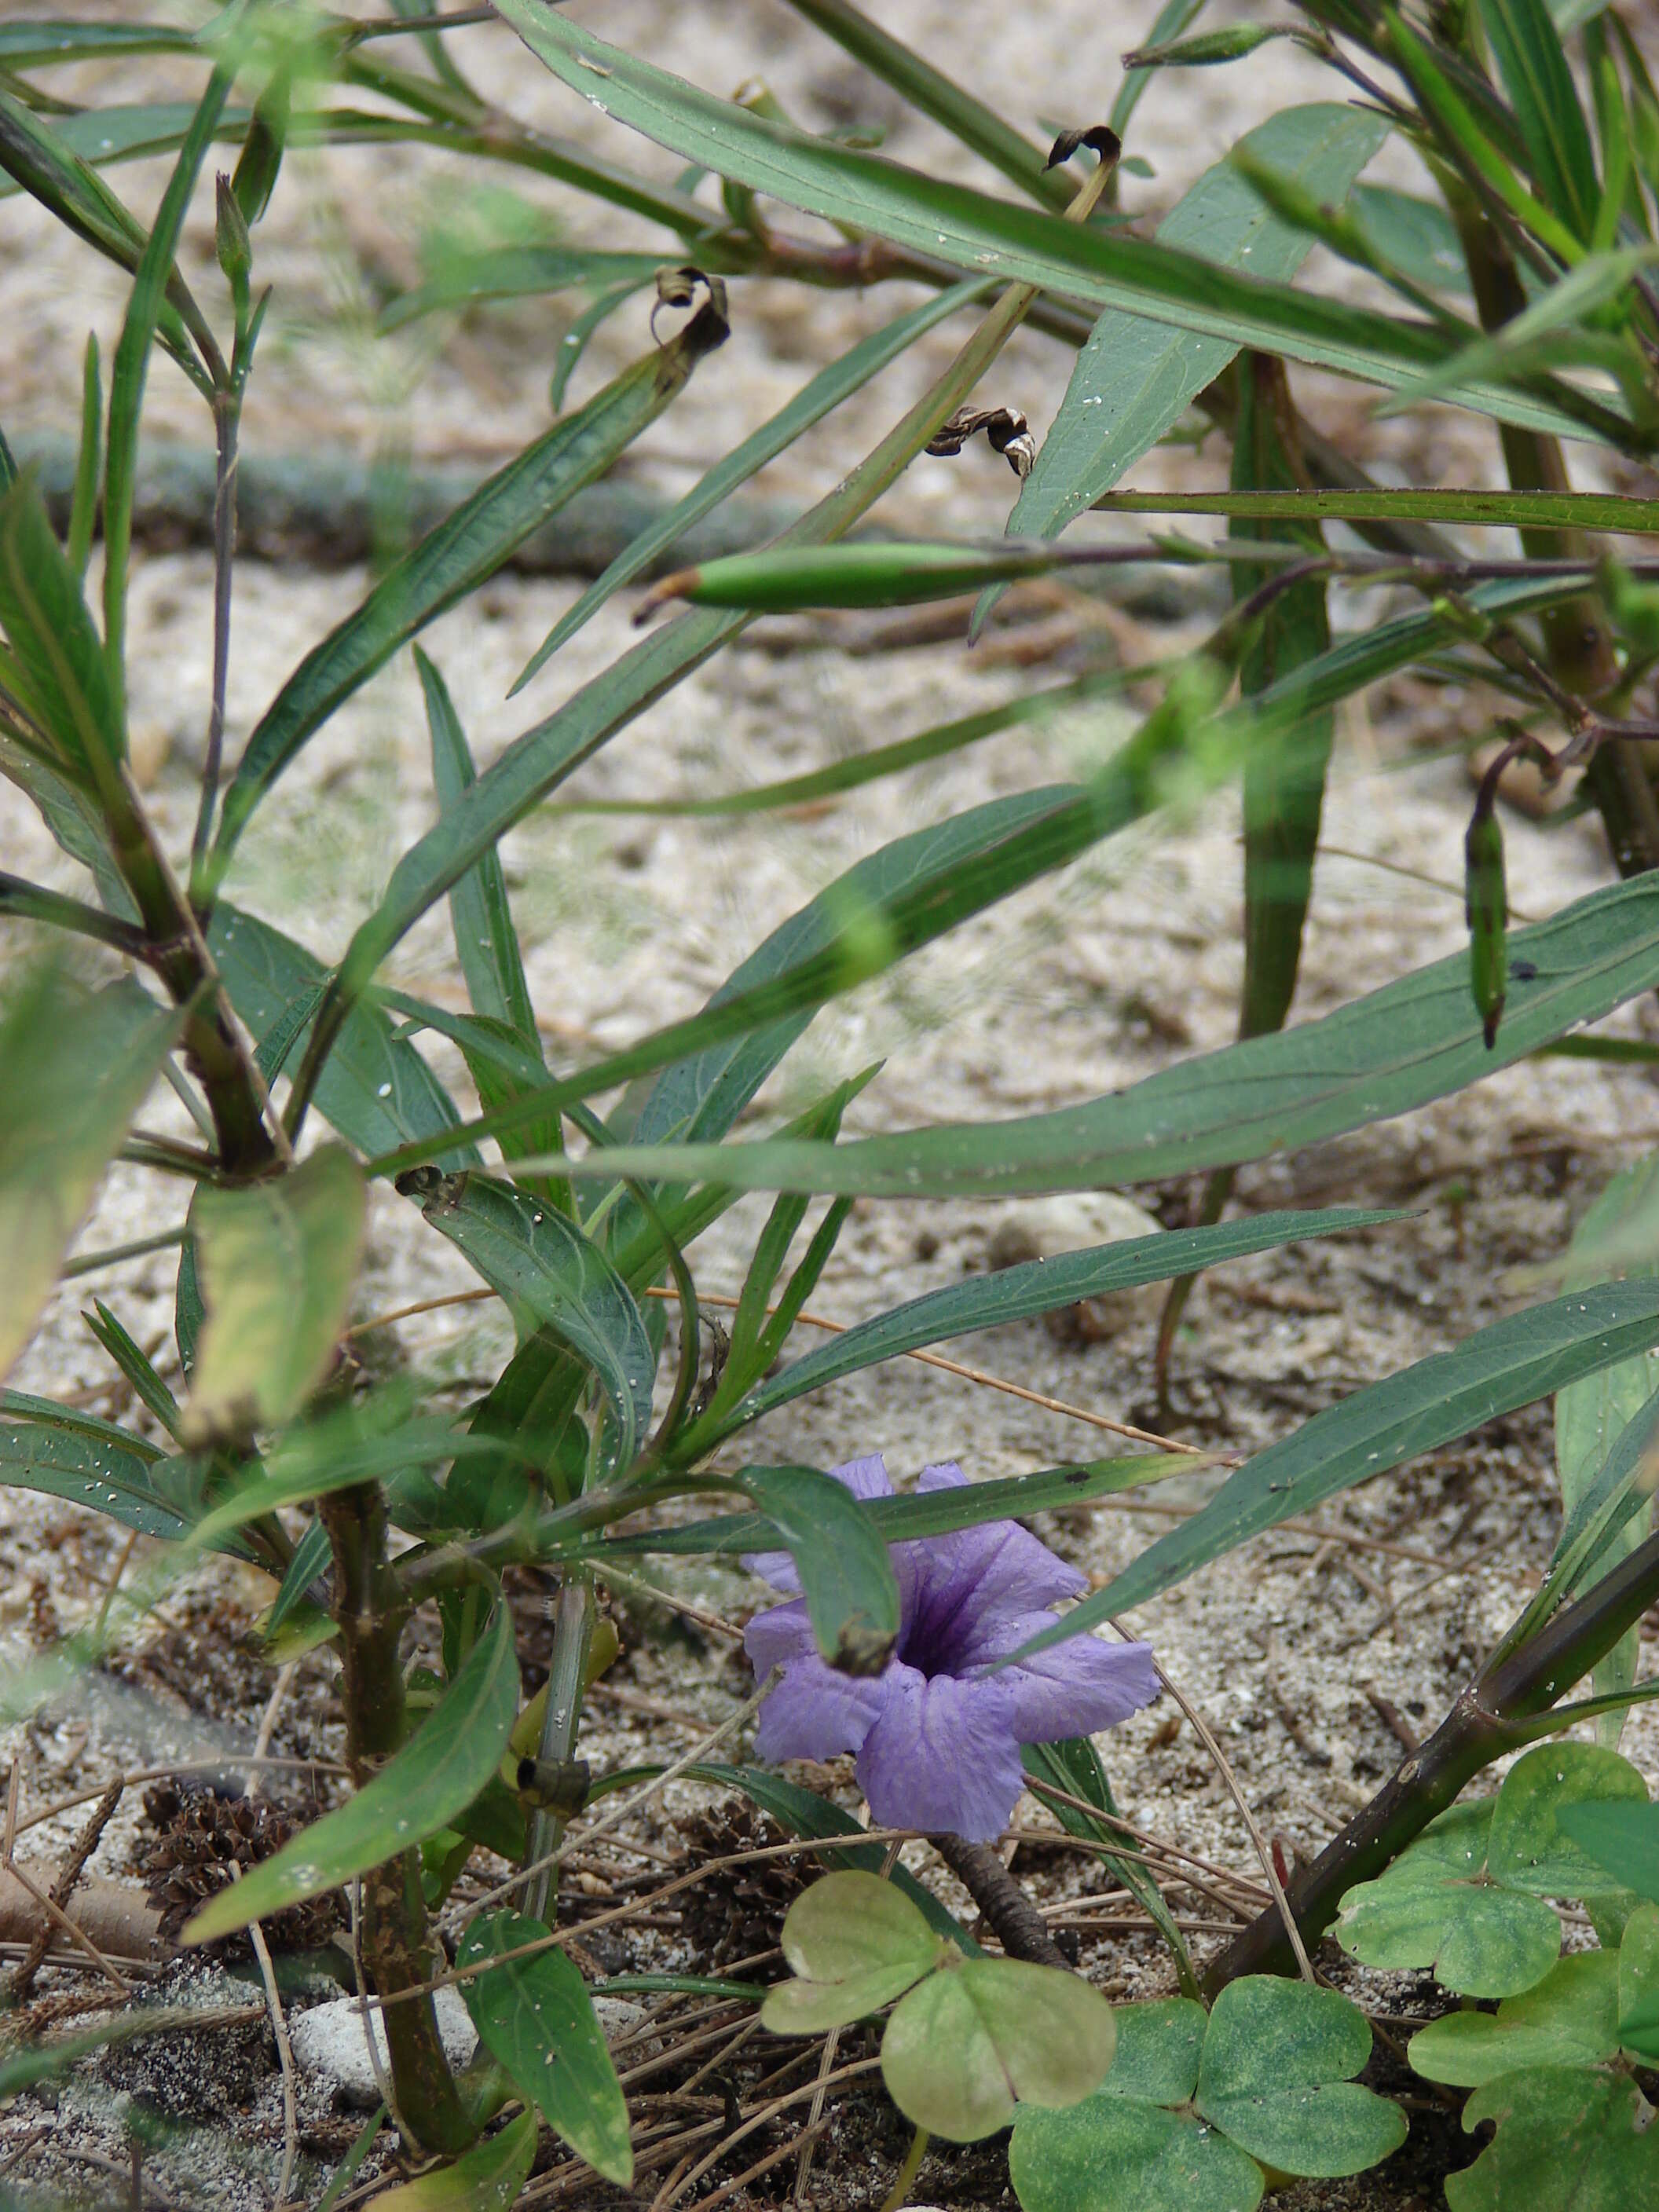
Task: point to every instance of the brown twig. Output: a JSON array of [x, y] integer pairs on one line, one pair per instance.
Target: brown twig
[[55, 1901]]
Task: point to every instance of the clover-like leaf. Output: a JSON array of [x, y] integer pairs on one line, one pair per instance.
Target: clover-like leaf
[[1117, 2154], [1276, 2076], [1569, 2019], [1434, 1907], [1638, 1984], [853, 1942], [978, 2037], [1528, 1848], [1158, 2045], [1570, 2139]]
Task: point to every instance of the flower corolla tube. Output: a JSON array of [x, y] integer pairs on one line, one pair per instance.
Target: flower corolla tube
[[938, 1733]]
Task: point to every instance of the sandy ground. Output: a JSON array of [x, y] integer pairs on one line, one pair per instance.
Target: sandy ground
[[1126, 962]]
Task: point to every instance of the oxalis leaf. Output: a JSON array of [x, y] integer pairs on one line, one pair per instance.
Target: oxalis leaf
[[277, 1263], [488, 2179], [1570, 2139], [422, 1790], [536, 2019], [74, 1066], [1189, 2099], [853, 1942], [981, 2035], [1467, 1898], [1569, 2019]]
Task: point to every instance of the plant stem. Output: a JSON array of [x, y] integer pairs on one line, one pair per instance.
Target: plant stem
[[1009, 1912], [1477, 1730], [573, 1631], [370, 1610]]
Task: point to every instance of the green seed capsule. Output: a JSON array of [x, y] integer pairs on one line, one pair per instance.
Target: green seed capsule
[[1486, 904]]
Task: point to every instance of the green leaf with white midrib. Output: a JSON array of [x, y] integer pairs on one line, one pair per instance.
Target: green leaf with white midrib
[[554, 1277], [1415, 1040], [416, 1793], [535, 2018], [90, 1472], [1527, 47], [976, 232], [1039, 1286], [1513, 1363], [464, 549], [1134, 378]]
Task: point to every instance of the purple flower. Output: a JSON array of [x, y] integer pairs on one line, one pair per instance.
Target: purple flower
[[937, 1734]]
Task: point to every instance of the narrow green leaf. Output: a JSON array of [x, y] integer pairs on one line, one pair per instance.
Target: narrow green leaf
[[816, 400], [130, 369], [536, 2019], [46, 621], [516, 272], [1512, 1363], [845, 1575], [457, 556], [74, 1065], [420, 1789], [1169, 22], [277, 1263], [1134, 378], [1037, 1286], [38, 45], [1519, 510], [1591, 1415], [1533, 64], [1415, 1040], [95, 1473], [487, 2178], [135, 1365], [84, 512], [554, 1277], [376, 1089], [973, 231]]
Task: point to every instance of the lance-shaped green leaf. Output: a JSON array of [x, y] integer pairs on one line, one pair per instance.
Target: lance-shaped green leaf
[[1533, 64], [535, 2018], [277, 1262], [815, 399], [420, 1789], [37, 45], [515, 272], [552, 1276], [487, 2178], [1513, 1363], [1521, 510], [845, 1577], [59, 656], [74, 1066], [1622, 1839], [973, 231], [376, 1089], [1592, 1416], [1038, 1287], [1415, 1040], [98, 1473], [1134, 378], [457, 556]]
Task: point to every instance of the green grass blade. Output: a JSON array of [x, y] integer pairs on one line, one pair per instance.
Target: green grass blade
[[1513, 1363], [89, 465], [129, 368], [845, 1577], [1517, 510], [973, 231], [825, 391], [39, 44], [457, 556]]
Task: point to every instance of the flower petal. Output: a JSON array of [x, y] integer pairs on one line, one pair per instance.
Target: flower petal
[[942, 1756], [965, 1581], [814, 1712], [1077, 1688], [865, 1478]]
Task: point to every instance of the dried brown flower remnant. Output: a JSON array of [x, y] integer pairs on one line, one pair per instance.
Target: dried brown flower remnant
[[737, 1911], [200, 1838]]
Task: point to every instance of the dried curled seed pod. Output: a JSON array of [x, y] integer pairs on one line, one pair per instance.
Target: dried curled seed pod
[[679, 286], [1006, 432], [1100, 136], [200, 1838]]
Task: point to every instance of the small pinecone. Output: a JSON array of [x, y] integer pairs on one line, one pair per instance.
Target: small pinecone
[[198, 1837], [737, 1911]]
